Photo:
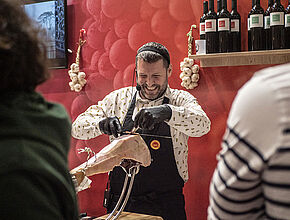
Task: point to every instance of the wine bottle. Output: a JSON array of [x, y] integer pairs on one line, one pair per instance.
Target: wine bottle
[[257, 27], [235, 28], [202, 21], [249, 29], [287, 26], [277, 16], [211, 34], [219, 7], [268, 38], [224, 29]]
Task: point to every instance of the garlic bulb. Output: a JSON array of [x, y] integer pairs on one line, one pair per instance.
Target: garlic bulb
[[189, 74], [77, 78]]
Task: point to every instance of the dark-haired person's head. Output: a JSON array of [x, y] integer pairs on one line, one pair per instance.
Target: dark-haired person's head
[[23, 63], [153, 69]]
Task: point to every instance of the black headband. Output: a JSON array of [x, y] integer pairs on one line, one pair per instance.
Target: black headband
[[164, 54]]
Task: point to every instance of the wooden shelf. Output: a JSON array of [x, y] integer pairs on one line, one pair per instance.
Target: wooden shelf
[[243, 58]]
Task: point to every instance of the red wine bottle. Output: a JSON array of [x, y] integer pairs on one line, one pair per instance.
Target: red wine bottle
[[257, 27], [219, 7], [202, 21], [211, 34], [235, 28], [277, 25], [224, 29], [268, 38], [249, 29], [287, 26]]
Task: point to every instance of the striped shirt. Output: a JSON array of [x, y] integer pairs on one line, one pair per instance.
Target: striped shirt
[[252, 177], [188, 119]]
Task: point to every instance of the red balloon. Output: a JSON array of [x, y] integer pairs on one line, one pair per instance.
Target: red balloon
[[159, 3], [146, 10], [87, 23], [197, 10], [181, 10], [79, 105], [97, 87], [104, 23], [95, 38], [129, 74], [121, 54], [162, 25], [110, 38], [132, 9], [123, 24], [113, 8], [140, 34], [94, 7], [105, 67], [118, 80], [95, 60]]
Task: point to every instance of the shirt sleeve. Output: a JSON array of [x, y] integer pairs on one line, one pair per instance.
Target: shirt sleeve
[[249, 140], [187, 115], [86, 125]]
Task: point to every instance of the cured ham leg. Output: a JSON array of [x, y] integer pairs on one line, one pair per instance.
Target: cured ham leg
[[125, 147]]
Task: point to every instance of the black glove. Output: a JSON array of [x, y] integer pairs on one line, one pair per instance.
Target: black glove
[[110, 125], [146, 118]]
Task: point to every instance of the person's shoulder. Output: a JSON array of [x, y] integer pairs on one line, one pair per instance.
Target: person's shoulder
[[267, 80], [122, 91], [55, 110], [273, 73], [179, 93]]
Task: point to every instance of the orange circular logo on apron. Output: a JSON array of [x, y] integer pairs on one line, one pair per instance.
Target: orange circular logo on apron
[[155, 144]]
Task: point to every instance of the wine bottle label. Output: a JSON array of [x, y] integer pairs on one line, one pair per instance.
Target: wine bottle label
[[202, 28], [235, 25], [210, 25], [276, 18], [256, 20], [223, 24], [266, 22], [249, 24], [287, 20]]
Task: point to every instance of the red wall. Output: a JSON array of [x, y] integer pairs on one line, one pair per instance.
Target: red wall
[[115, 29]]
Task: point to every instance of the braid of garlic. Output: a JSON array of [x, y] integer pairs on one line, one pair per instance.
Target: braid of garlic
[[189, 74], [77, 78]]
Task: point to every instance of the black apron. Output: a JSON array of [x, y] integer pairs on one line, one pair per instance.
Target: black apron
[[157, 189]]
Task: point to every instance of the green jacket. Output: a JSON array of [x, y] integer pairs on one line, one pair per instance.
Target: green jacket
[[34, 142]]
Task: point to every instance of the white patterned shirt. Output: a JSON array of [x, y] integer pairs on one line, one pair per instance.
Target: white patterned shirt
[[188, 119], [252, 178]]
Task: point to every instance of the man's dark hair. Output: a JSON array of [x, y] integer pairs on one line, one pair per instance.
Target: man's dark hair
[[23, 63], [152, 52]]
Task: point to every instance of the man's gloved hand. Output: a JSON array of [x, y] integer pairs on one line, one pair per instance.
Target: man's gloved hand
[[146, 118], [110, 125]]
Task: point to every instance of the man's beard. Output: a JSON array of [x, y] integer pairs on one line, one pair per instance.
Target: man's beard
[[160, 90]]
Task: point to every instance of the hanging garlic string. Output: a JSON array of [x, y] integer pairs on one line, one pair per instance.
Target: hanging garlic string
[[77, 78]]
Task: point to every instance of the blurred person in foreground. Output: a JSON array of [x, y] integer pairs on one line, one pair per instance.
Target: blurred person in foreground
[[165, 119], [252, 177], [35, 134]]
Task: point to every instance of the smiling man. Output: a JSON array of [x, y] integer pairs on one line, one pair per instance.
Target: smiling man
[[152, 79], [165, 118]]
